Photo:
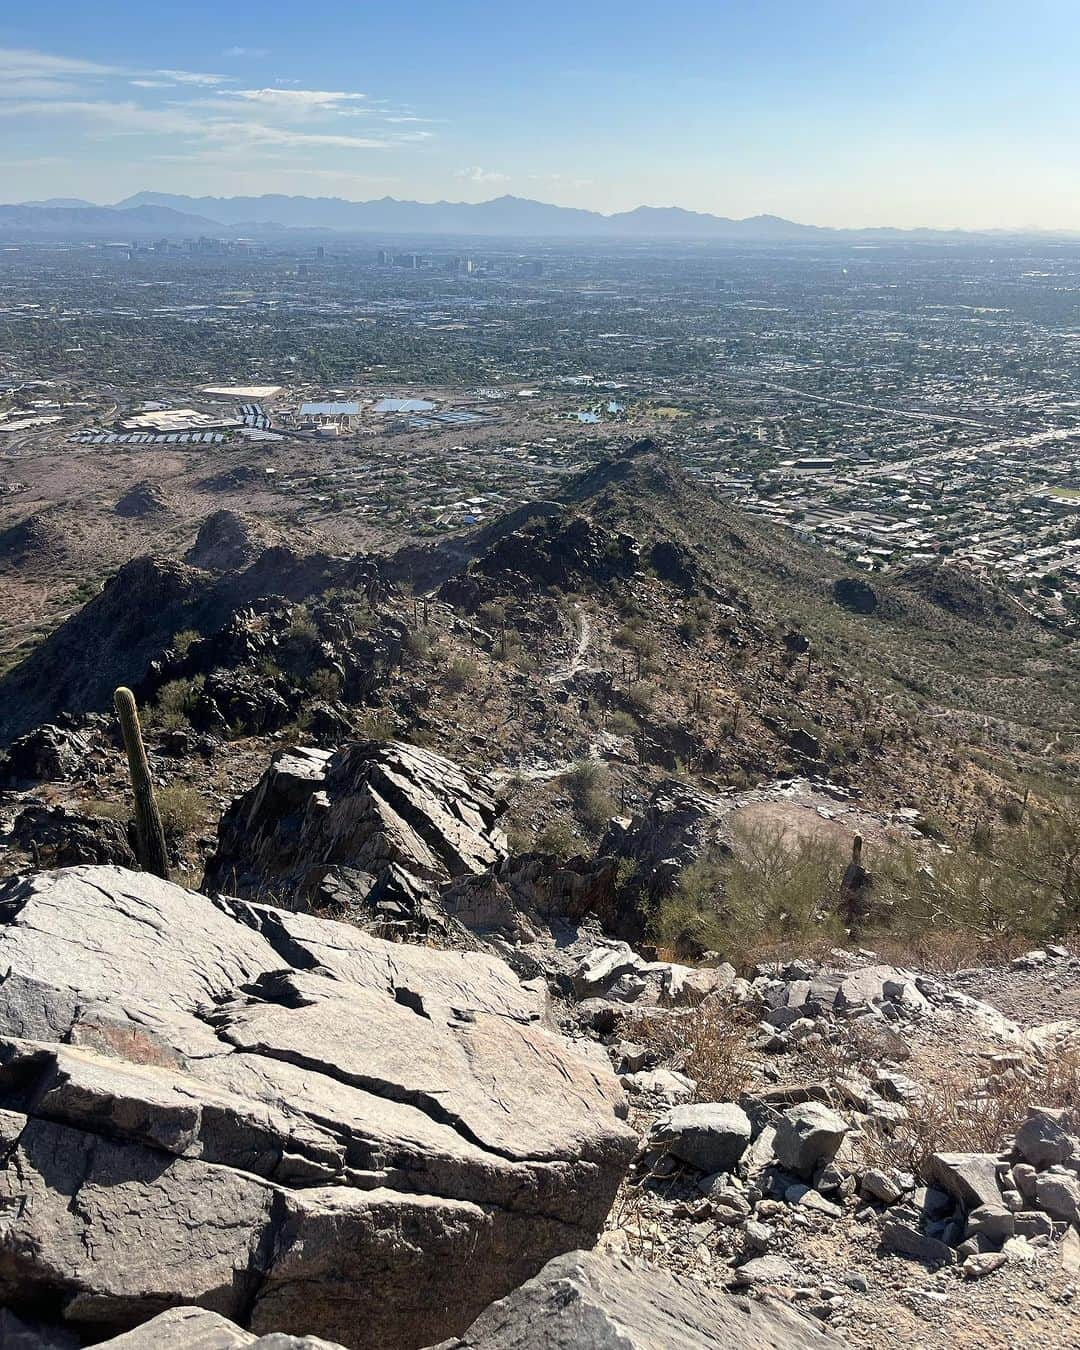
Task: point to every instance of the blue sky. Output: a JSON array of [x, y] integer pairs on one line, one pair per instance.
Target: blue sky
[[901, 112]]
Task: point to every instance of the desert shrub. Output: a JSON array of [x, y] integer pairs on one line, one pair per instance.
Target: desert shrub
[[298, 649], [174, 703], [557, 837], [461, 673], [709, 1043], [1014, 883], [325, 684], [184, 640], [960, 1111], [121, 812], [642, 696], [183, 811], [376, 725], [419, 644], [689, 921], [492, 615], [621, 723], [773, 893], [695, 620], [589, 783]]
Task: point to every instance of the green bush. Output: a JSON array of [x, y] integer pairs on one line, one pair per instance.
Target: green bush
[[174, 703], [589, 783], [558, 839], [183, 811]]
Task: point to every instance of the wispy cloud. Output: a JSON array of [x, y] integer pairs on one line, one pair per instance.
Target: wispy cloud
[[246, 52], [299, 100], [478, 175], [191, 77], [199, 112]]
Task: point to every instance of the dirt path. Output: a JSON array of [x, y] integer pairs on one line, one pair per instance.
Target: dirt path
[[583, 626]]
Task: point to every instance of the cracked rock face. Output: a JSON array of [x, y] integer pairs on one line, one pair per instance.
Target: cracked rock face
[[370, 806], [277, 1118], [589, 1301]]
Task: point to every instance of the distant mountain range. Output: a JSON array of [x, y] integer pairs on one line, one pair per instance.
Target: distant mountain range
[[162, 213], [51, 220]]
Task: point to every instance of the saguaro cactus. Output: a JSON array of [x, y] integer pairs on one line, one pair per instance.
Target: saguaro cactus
[[149, 834]]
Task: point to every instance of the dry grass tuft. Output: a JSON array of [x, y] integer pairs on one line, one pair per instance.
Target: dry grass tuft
[[709, 1043]]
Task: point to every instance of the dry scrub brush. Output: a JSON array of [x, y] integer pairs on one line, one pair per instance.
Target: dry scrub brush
[[709, 1043]]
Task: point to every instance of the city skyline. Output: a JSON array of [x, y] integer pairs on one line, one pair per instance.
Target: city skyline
[[831, 116]]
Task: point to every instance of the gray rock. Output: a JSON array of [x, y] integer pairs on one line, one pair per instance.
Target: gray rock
[[368, 806], [1033, 1224], [807, 1137], [1021, 1251], [265, 1114], [995, 1222], [877, 1185], [631, 1057], [1042, 1141], [710, 1136], [588, 1301], [763, 1270], [687, 986], [1023, 1177], [1059, 1194], [970, 1178], [666, 1084], [17, 1334], [983, 1263], [759, 1236], [897, 1236], [198, 1329]]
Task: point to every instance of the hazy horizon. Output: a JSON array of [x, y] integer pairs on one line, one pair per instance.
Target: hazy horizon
[[826, 115]]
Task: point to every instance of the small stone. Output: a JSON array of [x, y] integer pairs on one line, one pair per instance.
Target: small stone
[[975, 1267], [1042, 1142], [876, 1185], [630, 1056], [859, 1283], [710, 1136], [666, 1084], [813, 1200], [993, 1221], [1012, 1200], [807, 1137], [902, 1238], [768, 1209], [1033, 1224], [762, 1270], [1018, 1249], [1059, 1194], [758, 1236]]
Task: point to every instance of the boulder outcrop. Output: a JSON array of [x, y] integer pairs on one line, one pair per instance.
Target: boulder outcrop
[[371, 806], [277, 1118]]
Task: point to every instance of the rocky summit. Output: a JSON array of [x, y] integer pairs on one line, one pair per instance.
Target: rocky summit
[[278, 1118]]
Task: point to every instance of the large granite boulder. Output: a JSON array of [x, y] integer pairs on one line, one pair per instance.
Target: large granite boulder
[[589, 1301], [371, 806], [277, 1118]]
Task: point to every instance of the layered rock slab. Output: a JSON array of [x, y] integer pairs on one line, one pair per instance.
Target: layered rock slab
[[371, 806], [589, 1301], [277, 1118]]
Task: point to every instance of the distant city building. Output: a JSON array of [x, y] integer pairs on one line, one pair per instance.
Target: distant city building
[[335, 416]]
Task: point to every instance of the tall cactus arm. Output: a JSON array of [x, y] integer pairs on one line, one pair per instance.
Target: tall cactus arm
[[149, 834]]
